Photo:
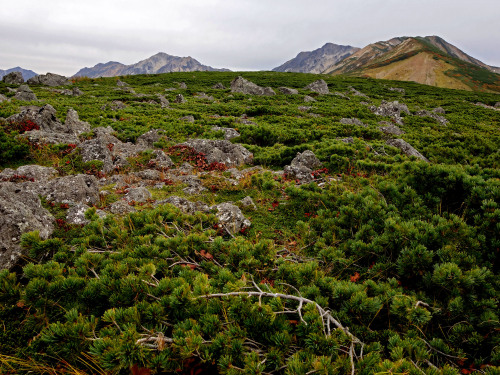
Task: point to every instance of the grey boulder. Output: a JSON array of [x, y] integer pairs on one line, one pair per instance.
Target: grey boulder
[[13, 78], [24, 93], [231, 218], [49, 79], [406, 148], [221, 151], [318, 86], [241, 85]]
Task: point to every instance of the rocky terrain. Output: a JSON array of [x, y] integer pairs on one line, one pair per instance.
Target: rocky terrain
[[267, 222], [26, 73]]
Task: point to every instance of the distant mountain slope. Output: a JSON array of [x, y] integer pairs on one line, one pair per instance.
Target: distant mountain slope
[[159, 63], [27, 74], [317, 61], [429, 60]]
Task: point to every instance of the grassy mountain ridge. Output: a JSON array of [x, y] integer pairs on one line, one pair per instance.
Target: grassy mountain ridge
[[402, 252]]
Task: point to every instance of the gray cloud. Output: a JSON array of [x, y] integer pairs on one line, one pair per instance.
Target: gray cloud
[[63, 36]]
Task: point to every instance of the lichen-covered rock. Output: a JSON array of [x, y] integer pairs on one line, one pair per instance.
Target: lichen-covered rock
[[194, 185], [397, 89], [434, 115], [391, 109], [139, 195], [304, 108], [179, 99], [221, 151], [185, 205], [24, 93], [148, 139], [241, 85], [44, 117], [121, 208], [231, 217], [76, 214], [163, 101], [302, 166], [357, 93], [229, 133], [318, 86], [406, 148], [162, 161], [219, 86], [389, 128], [248, 203], [49, 79], [288, 91], [148, 174], [204, 96], [188, 118], [50, 138], [33, 172], [81, 188], [74, 124], [352, 121], [3, 98], [20, 212], [309, 99], [13, 78], [100, 149]]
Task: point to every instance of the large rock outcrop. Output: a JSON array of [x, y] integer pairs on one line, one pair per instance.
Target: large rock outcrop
[[49, 79], [13, 78], [20, 212], [241, 85]]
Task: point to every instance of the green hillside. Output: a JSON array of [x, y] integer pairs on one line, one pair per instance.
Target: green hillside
[[383, 264]]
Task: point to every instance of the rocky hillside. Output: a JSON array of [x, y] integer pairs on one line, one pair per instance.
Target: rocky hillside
[[428, 60], [268, 223], [317, 61], [27, 74], [159, 63]]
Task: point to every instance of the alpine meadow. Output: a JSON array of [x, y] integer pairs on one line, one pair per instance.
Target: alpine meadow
[[249, 223]]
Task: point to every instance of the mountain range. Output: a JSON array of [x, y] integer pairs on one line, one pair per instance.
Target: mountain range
[[27, 74], [159, 63]]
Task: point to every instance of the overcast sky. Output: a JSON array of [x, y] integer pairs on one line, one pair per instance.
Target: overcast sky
[[63, 36]]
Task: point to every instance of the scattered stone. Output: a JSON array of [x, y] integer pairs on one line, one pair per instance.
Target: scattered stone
[[202, 95], [182, 85], [439, 111], [24, 93], [148, 174], [49, 79], [229, 133], [148, 139], [288, 91], [304, 108], [302, 166], [13, 78], [424, 113], [240, 84], [357, 93], [185, 205], [194, 185], [3, 98], [76, 214], [221, 151], [20, 212], [187, 119], [406, 148], [397, 89], [231, 217], [244, 120], [76, 92], [389, 128], [120, 83], [318, 86], [219, 86], [309, 99], [162, 160], [497, 105], [348, 140], [163, 101], [139, 195], [121, 208], [179, 99], [352, 121], [248, 202], [391, 109], [116, 105]]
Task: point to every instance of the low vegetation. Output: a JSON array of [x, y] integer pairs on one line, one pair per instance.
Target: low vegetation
[[385, 264]]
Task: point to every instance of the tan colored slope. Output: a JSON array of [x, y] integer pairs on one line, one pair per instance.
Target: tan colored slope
[[421, 68]]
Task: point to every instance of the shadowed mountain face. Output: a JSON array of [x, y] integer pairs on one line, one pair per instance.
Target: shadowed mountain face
[[27, 74], [159, 63], [429, 60], [317, 61]]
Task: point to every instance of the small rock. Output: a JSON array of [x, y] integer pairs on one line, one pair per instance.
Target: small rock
[[185, 205], [182, 85], [406, 148], [74, 124], [221, 151], [304, 108], [318, 86], [163, 101], [397, 89], [352, 121], [148, 174], [24, 93], [139, 195], [219, 86], [179, 99], [121, 208], [248, 202], [389, 128], [121, 83], [231, 217], [229, 133], [309, 99], [187, 119], [288, 91]]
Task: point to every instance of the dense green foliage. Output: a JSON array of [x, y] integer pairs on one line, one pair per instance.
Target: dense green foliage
[[403, 253]]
